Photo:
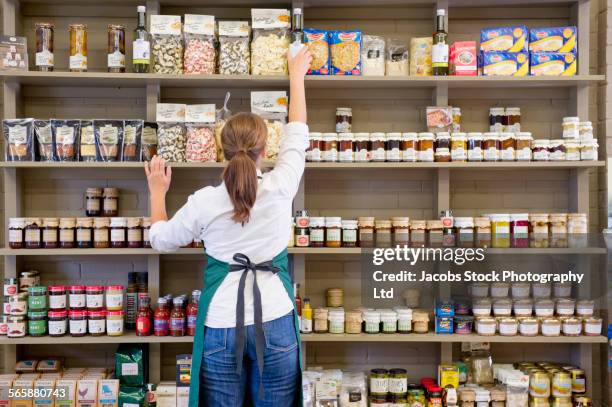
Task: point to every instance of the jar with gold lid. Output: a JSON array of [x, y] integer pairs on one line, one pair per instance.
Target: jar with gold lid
[[101, 236], [508, 326], [529, 326], [67, 227], [571, 326], [551, 327], [78, 48], [592, 326], [116, 48], [383, 232], [93, 202], [486, 326]]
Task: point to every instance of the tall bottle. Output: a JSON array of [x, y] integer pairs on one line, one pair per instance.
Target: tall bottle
[[297, 31], [141, 46], [439, 52]]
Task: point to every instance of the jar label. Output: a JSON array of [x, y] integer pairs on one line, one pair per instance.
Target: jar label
[[475, 154], [10, 289], [572, 329], [398, 385], [529, 329], [347, 155], [592, 328], [578, 385], [57, 301], [101, 235], [402, 236], [96, 326], [95, 300], [486, 329], [116, 60], [78, 326], [508, 154], [57, 327], [409, 154], [458, 154], [83, 235], [507, 329], [491, 154], [66, 235], [362, 155], [314, 155], [573, 156], [16, 329], [501, 230], [379, 385], [110, 204], [93, 205], [15, 235], [44, 58], [550, 330], [439, 55], [50, 235], [130, 309], [118, 235], [378, 154], [114, 300], [77, 300], [302, 241], [343, 127], [394, 154], [333, 235], [562, 387], [306, 325], [330, 155], [134, 235], [177, 324], [349, 235], [114, 326], [521, 230], [78, 61], [541, 155], [588, 154], [557, 155], [141, 50], [32, 235], [523, 154], [160, 326], [145, 235], [426, 155]]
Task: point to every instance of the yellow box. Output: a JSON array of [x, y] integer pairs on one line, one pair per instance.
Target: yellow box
[[448, 375]]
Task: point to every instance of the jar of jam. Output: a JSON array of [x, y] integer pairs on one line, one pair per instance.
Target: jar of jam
[[409, 147], [114, 323], [401, 231], [362, 147], [540, 150], [514, 119], [37, 323], [508, 147], [44, 47], [458, 147], [134, 233], [57, 323], [94, 297], [349, 233], [425, 147], [519, 229], [491, 146], [27, 279], [16, 232], [50, 232], [146, 226], [192, 312], [301, 237], [93, 202], [114, 297], [317, 231], [443, 140], [118, 232], [78, 323], [330, 147], [84, 233], [393, 148], [66, 233], [378, 147], [556, 150], [78, 48], [96, 322], [315, 147], [116, 48], [32, 233], [346, 153], [474, 147], [442, 155], [37, 298], [161, 318], [344, 119], [366, 231], [333, 231], [144, 317], [57, 297], [101, 233], [177, 318], [77, 297], [19, 304], [110, 202], [464, 227], [523, 146], [383, 232], [497, 117]]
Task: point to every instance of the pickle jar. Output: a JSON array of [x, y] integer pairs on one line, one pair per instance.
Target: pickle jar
[[44, 47], [93, 202], [118, 228], [134, 232], [78, 48], [116, 48], [84, 233], [110, 202], [67, 228], [101, 233]]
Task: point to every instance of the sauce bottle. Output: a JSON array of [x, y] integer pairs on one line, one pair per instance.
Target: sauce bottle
[[192, 312], [306, 320], [439, 53], [161, 318], [177, 318], [144, 316]]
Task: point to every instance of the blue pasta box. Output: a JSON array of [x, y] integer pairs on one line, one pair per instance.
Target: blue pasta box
[[444, 325], [553, 64], [317, 42], [553, 39], [496, 63], [445, 308], [345, 52], [510, 39]]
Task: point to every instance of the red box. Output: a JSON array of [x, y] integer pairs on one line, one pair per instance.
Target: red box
[[463, 61]]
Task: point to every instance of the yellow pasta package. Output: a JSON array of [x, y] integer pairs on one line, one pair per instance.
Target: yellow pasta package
[[420, 56]]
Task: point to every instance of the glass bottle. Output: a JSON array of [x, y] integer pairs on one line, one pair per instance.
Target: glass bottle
[[78, 48], [192, 312], [177, 318], [141, 46], [144, 318], [116, 48], [44, 47], [131, 301], [297, 33], [161, 318], [439, 53]]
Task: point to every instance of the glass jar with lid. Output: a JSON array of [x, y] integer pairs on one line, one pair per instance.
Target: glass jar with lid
[[313, 153], [78, 48], [529, 326], [474, 147], [539, 231], [456, 114], [93, 202], [502, 307], [336, 320], [556, 150], [383, 232], [371, 319], [349, 232], [486, 326], [508, 146], [464, 227], [317, 231], [482, 227], [589, 150], [514, 119], [519, 228], [442, 155], [401, 230], [425, 147], [418, 235], [435, 229], [84, 233], [572, 150], [110, 202], [116, 48], [558, 230], [366, 231], [362, 147], [44, 57], [16, 232], [571, 326], [101, 238], [500, 230], [67, 227], [491, 146], [329, 153], [320, 317], [134, 232], [344, 119], [550, 327], [50, 232], [523, 308], [346, 153], [523, 146], [393, 147], [333, 231], [508, 326], [585, 130], [118, 228], [565, 307], [409, 147], [146, 227], [497, 116], [541, 150], [32, 233], [58, 323], [443, 141], [571, 127], [458, 147], [378, 147]]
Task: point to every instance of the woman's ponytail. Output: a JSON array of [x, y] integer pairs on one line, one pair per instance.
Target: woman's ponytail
[[243, 139]]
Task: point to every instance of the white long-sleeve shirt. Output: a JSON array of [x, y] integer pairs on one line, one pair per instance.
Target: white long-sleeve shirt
[[207, 215]]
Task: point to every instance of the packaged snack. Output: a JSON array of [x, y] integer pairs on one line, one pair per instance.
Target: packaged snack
[[87, 142], [271, 28], [510, 39], [108, 393], [149, 141], [505, 63], [553, 39], [130, 365], [109, 139], [132, 136], [439, 119], [345, 49], [14, 53], [200, 54], [373, 55], [167, 44], [222, 115], [183, 370], [200, 124], [65, 134], [131, 396], [19, 139], [420, 61], [44, 136], [463, 60], [171, 132], [397, 59], [234, 53], [318, 45], [552, 63], [272, 107]]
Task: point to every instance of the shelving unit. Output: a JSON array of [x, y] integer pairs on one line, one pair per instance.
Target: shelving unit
[[347, 189]]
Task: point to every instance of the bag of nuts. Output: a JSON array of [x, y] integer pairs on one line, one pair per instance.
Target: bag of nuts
[[65, 138], [19, 139], [271, 28], [132, 135], [167, 46], [171, 141], [200, 124], [109, 139], [272, 107], [200, 53], [44, 137], [234, 52]]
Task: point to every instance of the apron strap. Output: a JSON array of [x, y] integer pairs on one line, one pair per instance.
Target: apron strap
[[244, 264]]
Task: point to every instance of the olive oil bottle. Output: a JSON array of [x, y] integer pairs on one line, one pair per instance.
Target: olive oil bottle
[[439, 51]]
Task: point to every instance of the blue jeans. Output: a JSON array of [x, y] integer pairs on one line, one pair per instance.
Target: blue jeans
[[220, 386]]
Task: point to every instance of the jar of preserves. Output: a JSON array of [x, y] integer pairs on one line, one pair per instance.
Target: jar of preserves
[[578, 381], [589, 150], [134, 233], [425, 147], [93, 202], [544, 308], [508, 147], [371, 320], [57, 323], [523, 307], [529, 327], [114, 297], [435, 230], [32, 233], [67, 233], [393, 148], [383, 232], [78, 48], [44, 57], [116, 48], [110, 202], [366, 231], [404, 319], [18, 304], [352, 322], [571, 326], [585, 308], [514, 119], [443, 141], [551, 327], [486, 326], [401, 230], [541, 150], [146, 227], [94, 297], [362, 147], [333, 231], [508, 326], [16, 327], [77, 297], [539, 384], [491, 146], [558, 230], [524, 141], [313, 153], [77, 325], [177, 318], [556, 150], [497, 117], [349, 233], [114, 323], [562, 384], [458, 147], [474, 147], [571, 127], [101, 238], [50, 232], [409, 147], [96, 322], [502, 307], [585, 130], [418, 236], [344, 119], [346, 153], [28, 279], [330, 147], [321, 324], [519, 229], [84, 233], [118, 228], [377, 147], [572, 150], [317, 231], [539, 230], [464, 227], [57, 297], [500, 230], [388, 321], [592, 326], [161, 318], [16, 233], [37, 298], [442, 155]]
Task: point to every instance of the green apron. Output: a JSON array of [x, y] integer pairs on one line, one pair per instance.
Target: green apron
[[215, 273]]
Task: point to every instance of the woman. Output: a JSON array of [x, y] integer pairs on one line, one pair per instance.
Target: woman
[[247, 347]]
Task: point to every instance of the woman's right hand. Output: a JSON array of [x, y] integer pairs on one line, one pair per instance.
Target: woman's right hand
[[158, 176], [300, 63]]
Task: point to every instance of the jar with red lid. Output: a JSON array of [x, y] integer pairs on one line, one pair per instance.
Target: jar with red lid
[[57, 297], [96, 322], [177, 318], [519, 229], [94, 297], [435, 396], [144, 316], [58, 323], [161, 318], [77, 297], [192, 312], [78, 323]]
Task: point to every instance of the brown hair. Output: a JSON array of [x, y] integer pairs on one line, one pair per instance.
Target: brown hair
[[243, 139]]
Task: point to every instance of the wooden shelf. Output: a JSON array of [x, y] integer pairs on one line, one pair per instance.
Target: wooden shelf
[[429, 337], [105, 79], [307, 3]]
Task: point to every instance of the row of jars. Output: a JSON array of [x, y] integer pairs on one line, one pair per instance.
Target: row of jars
[[445, 147], [68, 233], [102, 202], [504, 307], [528, 326], [574, 129], [547, 379], [519, 290]]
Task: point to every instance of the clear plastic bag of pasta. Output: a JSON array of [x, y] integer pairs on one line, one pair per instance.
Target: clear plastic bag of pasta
[[167, 44], [234, 51], [373, 55], [271, 28], [397, 60], [200, 52], [200, 125], [272, 107], [171, 141], [42, 130], [222, 115]]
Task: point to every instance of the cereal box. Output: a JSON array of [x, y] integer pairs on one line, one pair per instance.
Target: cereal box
[[511, 39], [345, 49], [505, 63], [553, 39], [318, 45], [553, 64], [463, 61], [420, 56]]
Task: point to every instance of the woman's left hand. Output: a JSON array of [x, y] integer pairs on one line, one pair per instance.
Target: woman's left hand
[[158, 175]]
